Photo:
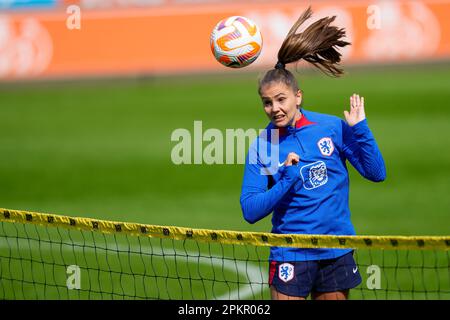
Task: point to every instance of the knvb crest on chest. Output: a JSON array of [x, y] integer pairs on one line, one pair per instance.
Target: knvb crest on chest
[[314, 175], [326, 146]]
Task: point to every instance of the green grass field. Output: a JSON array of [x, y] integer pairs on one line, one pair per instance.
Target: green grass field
[[102, 149]]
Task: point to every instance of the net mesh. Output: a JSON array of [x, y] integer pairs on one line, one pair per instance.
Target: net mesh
[[53, 262]]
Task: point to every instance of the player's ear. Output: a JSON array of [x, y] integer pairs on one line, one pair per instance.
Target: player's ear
[[299, 97]]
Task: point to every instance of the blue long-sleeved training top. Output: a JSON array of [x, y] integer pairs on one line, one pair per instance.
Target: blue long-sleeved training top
[[312, 196]]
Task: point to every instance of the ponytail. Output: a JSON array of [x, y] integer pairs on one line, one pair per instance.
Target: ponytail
[[318, 44]]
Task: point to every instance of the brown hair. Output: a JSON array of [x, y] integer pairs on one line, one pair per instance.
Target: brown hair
[[318, 44]]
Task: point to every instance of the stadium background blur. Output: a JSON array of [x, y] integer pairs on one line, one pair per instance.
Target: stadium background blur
[[86, 115]]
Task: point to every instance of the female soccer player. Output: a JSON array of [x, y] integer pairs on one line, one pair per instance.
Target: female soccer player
[[308, 192]]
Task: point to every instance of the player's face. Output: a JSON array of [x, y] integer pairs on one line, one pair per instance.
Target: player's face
[[280, 103]]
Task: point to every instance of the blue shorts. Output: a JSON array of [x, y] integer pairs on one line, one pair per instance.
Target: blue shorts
[[300, 278]]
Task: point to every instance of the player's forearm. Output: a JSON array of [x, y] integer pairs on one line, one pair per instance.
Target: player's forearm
[[257, 205], [368, 155]]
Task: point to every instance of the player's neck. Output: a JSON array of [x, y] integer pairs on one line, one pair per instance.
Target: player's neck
[[297, 117]]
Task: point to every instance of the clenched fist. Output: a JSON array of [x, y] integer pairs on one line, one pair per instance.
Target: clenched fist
[[292, 159]]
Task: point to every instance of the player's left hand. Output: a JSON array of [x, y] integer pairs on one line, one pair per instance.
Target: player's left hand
[[356, 113]]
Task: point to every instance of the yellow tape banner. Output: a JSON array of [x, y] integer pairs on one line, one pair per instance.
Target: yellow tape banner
[[228, 237]]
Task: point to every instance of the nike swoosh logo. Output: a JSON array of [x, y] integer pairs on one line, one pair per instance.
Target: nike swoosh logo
[[280, 164], [355, 269]]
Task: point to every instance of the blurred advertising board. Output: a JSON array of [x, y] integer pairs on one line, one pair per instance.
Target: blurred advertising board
[[115, 38]]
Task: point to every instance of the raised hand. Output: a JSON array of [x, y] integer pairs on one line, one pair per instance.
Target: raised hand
[[356, 113]]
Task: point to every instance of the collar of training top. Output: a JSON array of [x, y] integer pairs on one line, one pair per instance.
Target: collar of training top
[[302, 122]]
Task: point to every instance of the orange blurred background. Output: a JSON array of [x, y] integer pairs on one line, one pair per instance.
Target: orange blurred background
[[166, 37]]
